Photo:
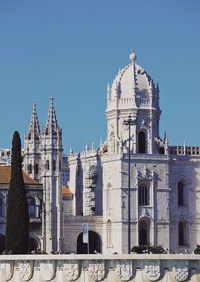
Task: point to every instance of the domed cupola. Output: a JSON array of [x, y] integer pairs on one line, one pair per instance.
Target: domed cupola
[[132, 87], [134, 93]]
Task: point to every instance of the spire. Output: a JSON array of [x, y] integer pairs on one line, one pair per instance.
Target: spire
[[51, 124], [34, 128]]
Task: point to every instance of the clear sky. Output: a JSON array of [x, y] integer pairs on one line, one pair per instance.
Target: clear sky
[[72, 49]]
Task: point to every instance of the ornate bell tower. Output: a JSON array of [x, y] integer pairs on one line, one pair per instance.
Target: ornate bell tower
[[51, 176]]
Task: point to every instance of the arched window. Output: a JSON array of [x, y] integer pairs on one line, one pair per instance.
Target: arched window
[[143, 195], [54, 165], [47, 165], [141, 142], [33, 207], [29, 168], [180, 193], [181, 234], [109, 234]]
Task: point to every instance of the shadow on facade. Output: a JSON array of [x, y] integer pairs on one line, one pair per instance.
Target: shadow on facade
[[94, 243]]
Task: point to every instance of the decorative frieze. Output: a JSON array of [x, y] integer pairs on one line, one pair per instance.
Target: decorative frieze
[[92, 268]]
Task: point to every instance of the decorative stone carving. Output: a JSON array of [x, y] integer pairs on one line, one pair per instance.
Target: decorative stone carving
[[124, 270], [181, 271], [97, 271], [6, 270], [25, 270], [152, 270], [71, 271], [47, 270], [145, 123]]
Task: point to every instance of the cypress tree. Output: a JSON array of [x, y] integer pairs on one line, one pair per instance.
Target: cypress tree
[[17, 219]]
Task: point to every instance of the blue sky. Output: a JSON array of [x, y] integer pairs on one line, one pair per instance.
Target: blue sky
[[72, 49]]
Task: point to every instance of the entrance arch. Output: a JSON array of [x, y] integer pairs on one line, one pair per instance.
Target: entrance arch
[[94, 243]]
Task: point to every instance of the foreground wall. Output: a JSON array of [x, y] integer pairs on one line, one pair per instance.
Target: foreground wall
[[89, 268]]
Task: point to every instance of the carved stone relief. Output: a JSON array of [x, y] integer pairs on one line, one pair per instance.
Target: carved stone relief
[[71, 271], [97, 271], [25, 270], [181, 271], [124, 270], [6, 270], [47, 270], [152, 270]]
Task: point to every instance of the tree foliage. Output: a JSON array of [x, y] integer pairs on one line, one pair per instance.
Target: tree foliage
[[17, 219]]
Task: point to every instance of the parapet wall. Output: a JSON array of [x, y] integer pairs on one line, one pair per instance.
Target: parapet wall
[[90, 268]]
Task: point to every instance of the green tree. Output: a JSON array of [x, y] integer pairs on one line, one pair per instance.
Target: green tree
[[17, 220]]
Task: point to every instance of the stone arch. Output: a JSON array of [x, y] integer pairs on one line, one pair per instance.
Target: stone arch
[[144, 231], [95, 244]]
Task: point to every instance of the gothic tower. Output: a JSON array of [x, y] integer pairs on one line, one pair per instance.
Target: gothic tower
[[51, 177], [32, 147]]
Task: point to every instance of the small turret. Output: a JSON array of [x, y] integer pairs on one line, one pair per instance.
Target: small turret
[[51, 124], [34, 127], [32, 147]]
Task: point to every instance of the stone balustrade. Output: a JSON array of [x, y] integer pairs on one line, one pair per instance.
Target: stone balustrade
[[90, 268], [184, 150]]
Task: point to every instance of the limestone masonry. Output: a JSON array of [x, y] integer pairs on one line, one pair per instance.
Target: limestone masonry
[[90, 188]]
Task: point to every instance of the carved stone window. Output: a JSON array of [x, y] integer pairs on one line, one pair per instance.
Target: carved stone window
[[143, 197], [141, 142], [180, 193]]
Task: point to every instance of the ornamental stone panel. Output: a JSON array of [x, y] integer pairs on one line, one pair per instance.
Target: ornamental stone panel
[[152, 270], [6, 270], [71, 271], [97, 271], [124, 270], [181, 271], [47, 270]]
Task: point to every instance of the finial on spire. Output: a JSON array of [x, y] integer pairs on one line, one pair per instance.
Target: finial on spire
[[34, 107], [132, 56]]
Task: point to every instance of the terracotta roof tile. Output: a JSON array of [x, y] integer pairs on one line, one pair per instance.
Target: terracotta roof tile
[[66, 191], [5, 174]]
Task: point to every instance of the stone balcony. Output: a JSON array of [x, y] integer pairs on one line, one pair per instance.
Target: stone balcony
[[109, 268]]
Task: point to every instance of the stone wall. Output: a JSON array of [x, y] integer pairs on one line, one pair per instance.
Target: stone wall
[[90, 268]]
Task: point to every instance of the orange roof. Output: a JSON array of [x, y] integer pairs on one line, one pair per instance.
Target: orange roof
[[5, 174], [66, 191]]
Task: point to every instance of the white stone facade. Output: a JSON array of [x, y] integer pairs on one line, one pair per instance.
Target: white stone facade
[[164, 180]]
